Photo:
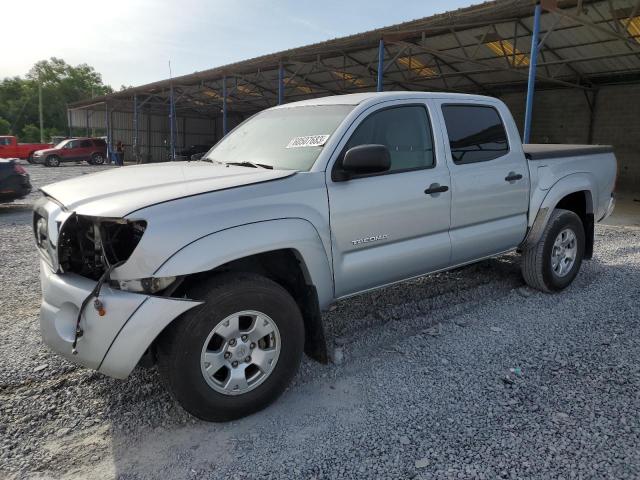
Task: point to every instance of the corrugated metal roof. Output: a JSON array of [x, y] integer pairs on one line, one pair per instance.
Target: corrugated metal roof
[[479, 49]]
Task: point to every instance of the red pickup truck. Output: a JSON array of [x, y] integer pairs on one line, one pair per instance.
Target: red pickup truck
[[10, 148]]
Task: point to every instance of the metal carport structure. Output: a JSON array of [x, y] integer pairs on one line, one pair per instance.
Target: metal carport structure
[[583, 47]]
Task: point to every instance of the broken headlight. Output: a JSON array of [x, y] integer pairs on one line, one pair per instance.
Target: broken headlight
[[88, 246], [146, 285]]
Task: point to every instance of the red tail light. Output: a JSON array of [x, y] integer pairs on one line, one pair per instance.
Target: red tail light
[[19, 169]]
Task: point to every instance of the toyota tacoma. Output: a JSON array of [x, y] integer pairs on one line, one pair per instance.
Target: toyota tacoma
[[218, 270]]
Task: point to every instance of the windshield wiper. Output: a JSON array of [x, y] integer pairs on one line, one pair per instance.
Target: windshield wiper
[[251, 164]]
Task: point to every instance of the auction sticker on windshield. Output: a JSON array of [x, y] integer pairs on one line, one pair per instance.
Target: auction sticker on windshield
[[308, 141]]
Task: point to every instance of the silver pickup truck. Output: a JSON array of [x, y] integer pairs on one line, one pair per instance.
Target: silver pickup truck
[[218, 270]]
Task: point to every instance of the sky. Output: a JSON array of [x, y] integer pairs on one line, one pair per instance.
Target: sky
[[130, 42]]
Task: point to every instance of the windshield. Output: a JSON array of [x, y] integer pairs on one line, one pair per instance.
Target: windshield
[[283, 138], [62, 144]]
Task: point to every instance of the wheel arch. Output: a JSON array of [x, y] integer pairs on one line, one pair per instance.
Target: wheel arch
[[574, 193], [288, 251]]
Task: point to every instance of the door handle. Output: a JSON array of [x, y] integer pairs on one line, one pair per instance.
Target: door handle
[[436, 188], [512, 177]]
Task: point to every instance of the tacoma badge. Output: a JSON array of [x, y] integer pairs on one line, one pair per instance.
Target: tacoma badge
[[374, 238]]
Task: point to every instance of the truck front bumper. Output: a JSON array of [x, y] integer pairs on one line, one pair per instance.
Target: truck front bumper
[[114, 343]]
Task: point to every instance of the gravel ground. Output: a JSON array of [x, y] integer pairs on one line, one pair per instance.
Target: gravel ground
[[466, 374]]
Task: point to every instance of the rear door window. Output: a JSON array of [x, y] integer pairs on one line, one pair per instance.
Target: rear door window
[[476, 133], [405, 131], [85, 144]]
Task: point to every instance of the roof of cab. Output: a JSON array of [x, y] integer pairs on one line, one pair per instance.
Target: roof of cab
[[374, 97]]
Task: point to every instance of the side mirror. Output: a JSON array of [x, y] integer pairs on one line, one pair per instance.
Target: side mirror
[[362, 160], [197, 156]]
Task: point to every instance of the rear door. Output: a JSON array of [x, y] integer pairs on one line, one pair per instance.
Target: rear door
[[384, 227], [84, 150], [489, 179]]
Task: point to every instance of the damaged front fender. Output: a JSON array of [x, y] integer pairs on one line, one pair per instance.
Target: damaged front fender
[[137, 335]]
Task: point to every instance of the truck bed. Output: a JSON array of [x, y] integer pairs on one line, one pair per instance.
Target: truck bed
[[545, 151]]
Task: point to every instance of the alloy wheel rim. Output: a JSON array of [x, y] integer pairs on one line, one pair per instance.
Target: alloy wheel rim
[[564, 252], [240, 353]]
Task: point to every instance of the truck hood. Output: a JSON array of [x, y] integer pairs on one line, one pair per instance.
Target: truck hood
[[120, 191]]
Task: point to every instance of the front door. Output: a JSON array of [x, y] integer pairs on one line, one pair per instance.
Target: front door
[[395, 225], [70, 151], [489, 179]]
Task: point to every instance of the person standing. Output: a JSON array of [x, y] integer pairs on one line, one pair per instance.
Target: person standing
[[119, 154]]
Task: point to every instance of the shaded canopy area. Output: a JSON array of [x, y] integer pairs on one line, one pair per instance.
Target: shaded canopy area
[[587, 78], [481, 49]]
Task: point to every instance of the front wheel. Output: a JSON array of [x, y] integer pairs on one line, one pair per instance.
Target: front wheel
[[553, 263], [52, 161], [236, 353]]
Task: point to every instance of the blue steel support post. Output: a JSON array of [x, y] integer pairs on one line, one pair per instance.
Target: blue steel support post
[[531, 85], [380, 65], [280, 83], [106, 125], [135, 127], [172, 146], [224, 106], [175, 128]]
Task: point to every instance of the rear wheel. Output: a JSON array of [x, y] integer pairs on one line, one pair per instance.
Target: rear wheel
[[97, 159], [235, 354], [52, 161], [555, 260]]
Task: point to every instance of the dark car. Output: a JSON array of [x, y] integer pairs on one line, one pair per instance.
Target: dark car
[[14, 181], [187, 153], [90, 150]]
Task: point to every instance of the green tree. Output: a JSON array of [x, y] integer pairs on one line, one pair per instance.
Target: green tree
[[5, 127], [30, 134], [61, 84]]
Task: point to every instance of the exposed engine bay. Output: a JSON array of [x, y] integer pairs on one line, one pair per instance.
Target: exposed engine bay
[[88, 246]]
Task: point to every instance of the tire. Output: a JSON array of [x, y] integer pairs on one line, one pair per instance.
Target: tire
[[181, 347], [538, 267], [52, 161], [97, 159]]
